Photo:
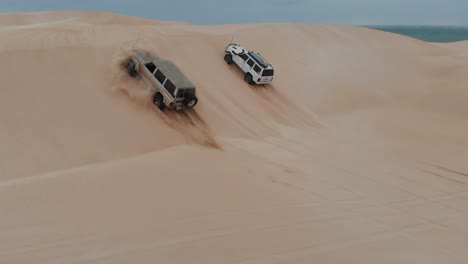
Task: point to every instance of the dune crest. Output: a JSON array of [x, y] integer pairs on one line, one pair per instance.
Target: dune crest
[[356, 153]]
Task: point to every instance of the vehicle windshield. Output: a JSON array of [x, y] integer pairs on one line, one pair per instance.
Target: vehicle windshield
[[267, 72], [188, 92]]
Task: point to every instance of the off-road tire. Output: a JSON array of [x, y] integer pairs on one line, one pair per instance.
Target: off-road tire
[[228, 58], [248, 78], [131, 68], [190, 102], [158, 101]]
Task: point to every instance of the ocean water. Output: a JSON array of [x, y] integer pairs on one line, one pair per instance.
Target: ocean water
[[428, 33]]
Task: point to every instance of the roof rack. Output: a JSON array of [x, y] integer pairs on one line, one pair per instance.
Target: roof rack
[[259, 59]]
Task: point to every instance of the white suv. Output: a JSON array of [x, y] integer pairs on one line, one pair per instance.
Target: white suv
[[257, 70]]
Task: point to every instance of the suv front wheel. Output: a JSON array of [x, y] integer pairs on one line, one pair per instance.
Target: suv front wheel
[[131, 68], [228, 58]]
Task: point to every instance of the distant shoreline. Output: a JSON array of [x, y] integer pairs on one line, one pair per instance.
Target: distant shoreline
[[442, 34], [413, 26]]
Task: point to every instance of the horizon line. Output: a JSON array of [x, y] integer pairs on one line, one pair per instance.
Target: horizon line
[[241, 23]]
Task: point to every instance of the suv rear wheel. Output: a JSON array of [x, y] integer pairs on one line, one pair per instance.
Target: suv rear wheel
[[248, 78], [228, 58], [190, 102], [158, 101]]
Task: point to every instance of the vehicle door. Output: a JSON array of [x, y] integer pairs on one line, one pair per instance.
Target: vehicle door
[[151, 68], [249, 64], [241, 61], [161, 79]]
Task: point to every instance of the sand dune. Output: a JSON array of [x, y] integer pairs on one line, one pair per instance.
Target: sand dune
[[357, 153], [460, 47]]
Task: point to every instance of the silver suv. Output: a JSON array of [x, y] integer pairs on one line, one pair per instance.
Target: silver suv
[[170, 87]]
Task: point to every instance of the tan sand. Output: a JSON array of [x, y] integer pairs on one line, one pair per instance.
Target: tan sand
[[357, 153]]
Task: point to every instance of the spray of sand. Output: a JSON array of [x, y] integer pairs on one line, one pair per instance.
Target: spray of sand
[[189, 123]]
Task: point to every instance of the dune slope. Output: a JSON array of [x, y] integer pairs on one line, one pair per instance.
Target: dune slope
[[356, 153]]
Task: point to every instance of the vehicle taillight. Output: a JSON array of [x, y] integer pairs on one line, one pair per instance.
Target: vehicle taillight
[[258, 79], [171, 104]]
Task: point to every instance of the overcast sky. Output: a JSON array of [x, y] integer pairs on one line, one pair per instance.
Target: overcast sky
[[358, 12]]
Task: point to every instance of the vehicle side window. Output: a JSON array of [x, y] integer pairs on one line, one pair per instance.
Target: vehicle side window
[[250, 62], [159, 76], [150, 66], [180, 93], [257, 69], [169, 86], [244, 56]]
